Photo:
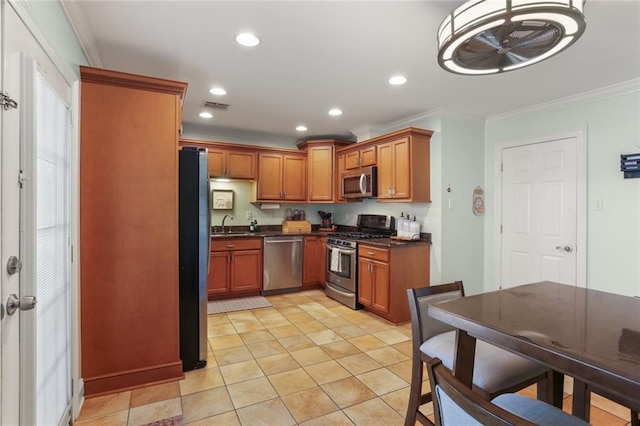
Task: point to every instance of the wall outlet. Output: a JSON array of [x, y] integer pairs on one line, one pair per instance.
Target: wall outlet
[[248, 215], [598, 204]]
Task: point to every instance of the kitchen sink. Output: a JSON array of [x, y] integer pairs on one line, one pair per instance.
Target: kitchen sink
[[228, 234]]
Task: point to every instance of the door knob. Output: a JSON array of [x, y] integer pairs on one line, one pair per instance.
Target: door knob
[[565, 248], [25, 303]]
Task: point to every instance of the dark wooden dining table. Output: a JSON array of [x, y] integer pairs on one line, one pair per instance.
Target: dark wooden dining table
[[590, 335]]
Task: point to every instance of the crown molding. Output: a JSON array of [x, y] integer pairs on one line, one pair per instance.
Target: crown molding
[[369, 131], [606, 92], [81, 27]]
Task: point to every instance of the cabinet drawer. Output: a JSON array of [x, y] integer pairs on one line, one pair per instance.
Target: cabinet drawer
[[373, 253], [226, 244]]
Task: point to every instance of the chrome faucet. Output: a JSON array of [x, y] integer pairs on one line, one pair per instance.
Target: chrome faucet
[[225, 218]]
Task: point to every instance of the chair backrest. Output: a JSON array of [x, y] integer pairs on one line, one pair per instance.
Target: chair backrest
[[422, 325], [455, 404]]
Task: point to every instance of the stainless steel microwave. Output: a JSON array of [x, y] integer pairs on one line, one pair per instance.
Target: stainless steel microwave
[[360, 183]]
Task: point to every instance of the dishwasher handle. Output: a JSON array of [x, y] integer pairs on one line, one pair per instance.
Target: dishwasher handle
[[299, 240]]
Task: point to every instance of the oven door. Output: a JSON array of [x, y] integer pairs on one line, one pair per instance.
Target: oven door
[[341, 267]]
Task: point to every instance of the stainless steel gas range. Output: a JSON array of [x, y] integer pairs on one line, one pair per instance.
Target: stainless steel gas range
[[342, 257]]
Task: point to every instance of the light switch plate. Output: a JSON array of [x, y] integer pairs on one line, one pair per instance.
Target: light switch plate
[[248, 215]]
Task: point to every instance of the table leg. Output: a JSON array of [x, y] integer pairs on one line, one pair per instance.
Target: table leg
[[581, 400], [464, 357]]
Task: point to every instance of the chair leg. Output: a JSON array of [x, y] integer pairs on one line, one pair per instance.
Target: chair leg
[[550, 389], [635, 418], [415, 392], [581, 400]]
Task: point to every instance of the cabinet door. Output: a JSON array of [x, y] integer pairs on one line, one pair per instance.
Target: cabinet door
[[216, 163], [352, 160], [322, 260], [218, 280], [380, 283], [310, 260], [294, 177], [341, 167], [241, 165], [368, 156], [246, 270], [320, 173], [269, 176], [386, 170], [402, 169], [365, 282]]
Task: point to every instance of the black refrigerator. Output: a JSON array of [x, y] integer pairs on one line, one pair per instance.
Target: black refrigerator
[[194, 246]]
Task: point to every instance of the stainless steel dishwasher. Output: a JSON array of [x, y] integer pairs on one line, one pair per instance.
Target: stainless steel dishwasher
[[282, 263]]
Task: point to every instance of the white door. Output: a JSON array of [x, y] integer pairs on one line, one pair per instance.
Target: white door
[[35, 229], [539, 213]]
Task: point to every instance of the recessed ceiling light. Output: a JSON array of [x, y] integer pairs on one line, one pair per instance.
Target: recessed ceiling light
[[247, 39], [218, 91], [335, 112], [397, 80], [206, 115], [301, 128]]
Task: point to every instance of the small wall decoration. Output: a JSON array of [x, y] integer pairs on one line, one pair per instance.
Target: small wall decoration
[[222, 199], [478, 201]]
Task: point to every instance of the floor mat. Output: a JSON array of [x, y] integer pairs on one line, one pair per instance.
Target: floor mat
[[172, 421], [230, 305]]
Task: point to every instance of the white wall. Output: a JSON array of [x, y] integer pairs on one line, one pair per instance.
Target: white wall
[[612, 127]]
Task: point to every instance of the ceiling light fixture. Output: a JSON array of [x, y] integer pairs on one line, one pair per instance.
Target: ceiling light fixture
[[218, 91], [206, 115], [247, 39], [494, 36], [301, 128], [335, 112], [397, 80]]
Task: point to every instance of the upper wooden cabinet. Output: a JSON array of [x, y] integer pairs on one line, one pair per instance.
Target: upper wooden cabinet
[[365, 156], [129, 307], [227, 160], [404, 166], [321, 170], [281, 177], [232, 164]]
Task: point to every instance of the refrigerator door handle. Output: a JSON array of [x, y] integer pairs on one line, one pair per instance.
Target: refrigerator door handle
[[209, 233]]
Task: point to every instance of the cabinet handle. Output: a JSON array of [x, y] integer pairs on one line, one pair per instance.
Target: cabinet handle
[[371, 253], [229, 258]]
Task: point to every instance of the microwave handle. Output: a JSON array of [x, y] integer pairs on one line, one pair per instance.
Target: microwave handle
[[362, 183]]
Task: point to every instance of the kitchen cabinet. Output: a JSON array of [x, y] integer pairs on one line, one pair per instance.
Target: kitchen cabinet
[[236, 268], [356, 158], [341, 166], [321, 171], [403, 167], [385, 274], [129, 307], [314, 260], [231, 164], [310, 261], [281, 177]]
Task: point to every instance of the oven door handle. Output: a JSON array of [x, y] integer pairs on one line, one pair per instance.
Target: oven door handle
[[334, 288], [342, 249]]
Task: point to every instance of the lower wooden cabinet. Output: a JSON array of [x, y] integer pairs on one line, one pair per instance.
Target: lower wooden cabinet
[[236, 268], [314, 259], [385, 274]]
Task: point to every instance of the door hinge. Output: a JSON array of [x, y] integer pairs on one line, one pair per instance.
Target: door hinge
[[7, 102], [501, 229], [71, 387], [501, 166]]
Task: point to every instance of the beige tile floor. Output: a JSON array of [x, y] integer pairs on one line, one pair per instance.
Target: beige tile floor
[[306, 360]]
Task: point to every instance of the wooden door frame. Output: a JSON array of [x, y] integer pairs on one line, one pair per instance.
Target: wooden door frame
[[581, 201]]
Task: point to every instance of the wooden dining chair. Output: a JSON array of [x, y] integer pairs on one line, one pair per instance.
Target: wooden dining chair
[[455, 404], [496, 371]]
